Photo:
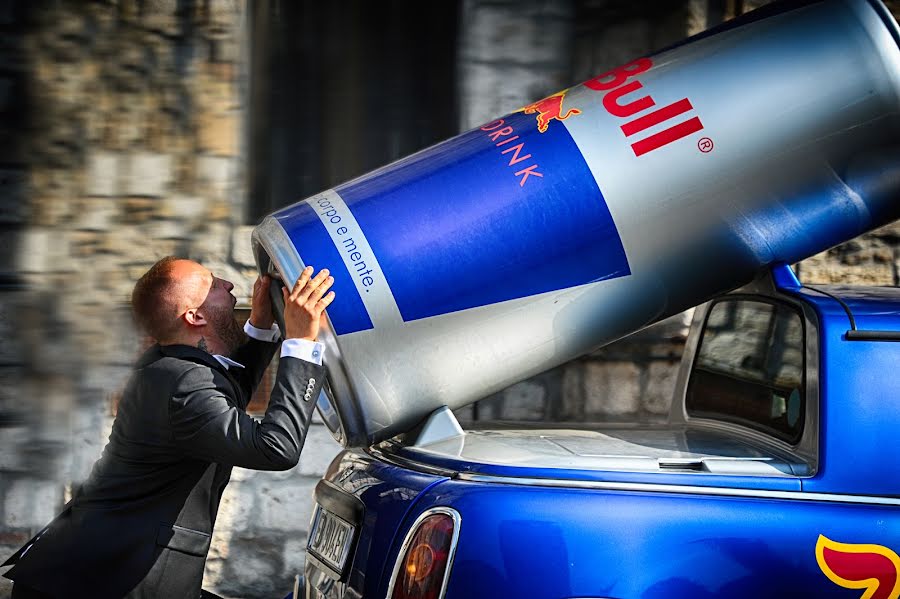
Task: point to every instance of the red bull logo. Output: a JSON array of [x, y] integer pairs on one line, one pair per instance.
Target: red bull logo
[[872, 568], [550, 109], [616, 88]]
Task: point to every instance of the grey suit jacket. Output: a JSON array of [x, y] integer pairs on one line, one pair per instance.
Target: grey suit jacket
[[141, 525]]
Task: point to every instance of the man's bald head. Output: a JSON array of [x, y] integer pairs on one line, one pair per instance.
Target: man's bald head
[[165, 292]]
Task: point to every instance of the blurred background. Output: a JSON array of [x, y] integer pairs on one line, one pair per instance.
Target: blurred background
[[136, 129]]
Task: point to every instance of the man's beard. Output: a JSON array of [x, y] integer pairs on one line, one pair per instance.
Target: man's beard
[[227, 329]]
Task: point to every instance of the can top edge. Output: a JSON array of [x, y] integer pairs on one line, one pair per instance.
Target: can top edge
[[270, 238], [887, 18]]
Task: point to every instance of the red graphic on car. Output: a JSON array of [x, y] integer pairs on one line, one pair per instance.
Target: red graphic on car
[[549, 109], [872, 568]]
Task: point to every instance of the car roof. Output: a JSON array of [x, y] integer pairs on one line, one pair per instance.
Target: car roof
[[866, 307]]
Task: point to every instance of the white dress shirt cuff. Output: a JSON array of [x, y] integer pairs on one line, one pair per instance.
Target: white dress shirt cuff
[[311, 351], [270, 335]]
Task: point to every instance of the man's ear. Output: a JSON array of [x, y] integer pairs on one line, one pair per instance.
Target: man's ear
[[194, 318]]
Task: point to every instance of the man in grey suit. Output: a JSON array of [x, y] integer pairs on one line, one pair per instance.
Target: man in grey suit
[[141, 525]]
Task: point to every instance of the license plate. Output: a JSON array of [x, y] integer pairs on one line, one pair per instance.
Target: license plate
[[330, 539]]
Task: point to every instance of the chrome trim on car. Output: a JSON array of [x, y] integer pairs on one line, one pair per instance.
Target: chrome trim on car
[[380, 453], [457, 522], [681, 489]]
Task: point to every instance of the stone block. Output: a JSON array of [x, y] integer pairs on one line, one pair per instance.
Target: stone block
[[241, 248], [211, 242], [148, 175], [285, 505], [697, 16], [490, 407], [168, 229], [464, 414], [524, 401], [218, 133], [516, 85], [224, 50], [218, 210], [138, 210], [318, 452], [223, 16], [294, 558], [216, 176], [611, 388], [162, 16], [897, 268], [96, 214], [31, 503], [103, 173], [889, 233], [44, 250], [507, 35], [573, 391], [214, 572], [88, 245], [91, 425], [13, 439], [253, 568], [189, 208], [860, 262], [241, 474], [50, 212], [68, 40], [25, 251], [237, 509], [660, 386]]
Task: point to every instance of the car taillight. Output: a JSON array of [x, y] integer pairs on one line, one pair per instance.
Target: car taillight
[[423, 565]]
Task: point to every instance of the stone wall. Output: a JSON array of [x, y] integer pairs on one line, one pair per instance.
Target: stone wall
[[131, 150], [126, 125]]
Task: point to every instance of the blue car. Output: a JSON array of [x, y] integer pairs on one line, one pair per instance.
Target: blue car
[[776, 475]]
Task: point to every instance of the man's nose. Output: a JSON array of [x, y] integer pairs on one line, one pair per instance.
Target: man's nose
[[228, 285]]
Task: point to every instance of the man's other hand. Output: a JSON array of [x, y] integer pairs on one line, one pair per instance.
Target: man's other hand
[[304, 305], [261, 315]]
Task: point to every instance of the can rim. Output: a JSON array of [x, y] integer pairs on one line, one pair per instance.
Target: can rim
[[272, 246], [888, 18]]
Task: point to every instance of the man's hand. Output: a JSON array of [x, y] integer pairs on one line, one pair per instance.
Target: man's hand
[[304, 305], [261, 315]]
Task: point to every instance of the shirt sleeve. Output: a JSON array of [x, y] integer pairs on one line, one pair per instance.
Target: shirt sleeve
[[311, 351], [303, 349], [270, 335]]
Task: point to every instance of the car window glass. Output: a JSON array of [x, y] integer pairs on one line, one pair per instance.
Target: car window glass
[[749, 368]]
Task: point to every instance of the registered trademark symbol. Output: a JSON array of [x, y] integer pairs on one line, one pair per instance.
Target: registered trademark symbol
[[705, 145]]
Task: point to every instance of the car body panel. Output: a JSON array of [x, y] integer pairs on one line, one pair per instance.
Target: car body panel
[[557, 542], [648, 511], [388, 493]]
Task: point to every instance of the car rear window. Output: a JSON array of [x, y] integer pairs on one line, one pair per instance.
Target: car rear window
[[750, 368]]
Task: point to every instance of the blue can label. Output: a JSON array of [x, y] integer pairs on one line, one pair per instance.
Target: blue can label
[[498, 213]]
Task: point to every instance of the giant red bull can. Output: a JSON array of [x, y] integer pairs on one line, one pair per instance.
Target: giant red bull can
[[578, 219]]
